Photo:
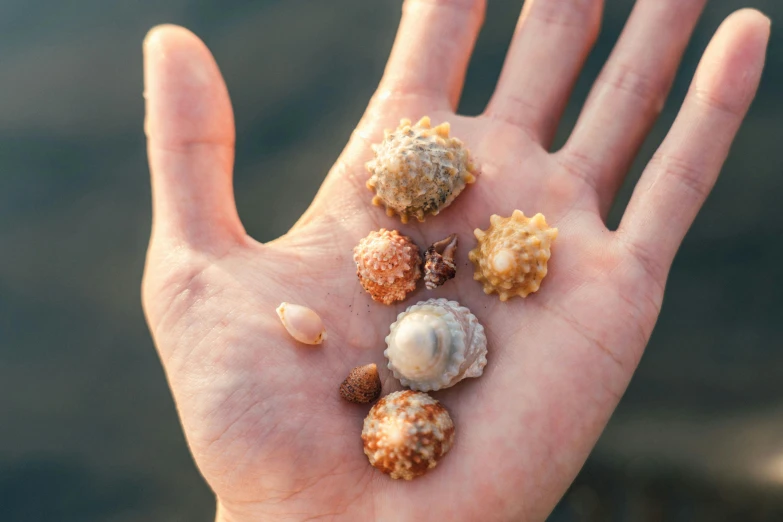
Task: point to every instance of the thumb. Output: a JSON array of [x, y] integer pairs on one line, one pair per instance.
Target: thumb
[[190, 142]]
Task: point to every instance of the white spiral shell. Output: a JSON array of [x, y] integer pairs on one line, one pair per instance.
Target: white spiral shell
[[434, 344]]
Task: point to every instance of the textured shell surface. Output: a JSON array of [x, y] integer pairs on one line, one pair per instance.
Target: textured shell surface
[[435, 344], [406, 434], [439, 264], [362, 385], [418, 169], [388, 265], [511, 256], [302, 323]]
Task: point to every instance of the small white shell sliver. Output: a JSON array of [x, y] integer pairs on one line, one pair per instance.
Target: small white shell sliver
[[303, 324]]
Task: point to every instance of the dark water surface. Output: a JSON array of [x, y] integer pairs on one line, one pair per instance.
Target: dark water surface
[[88, 430]]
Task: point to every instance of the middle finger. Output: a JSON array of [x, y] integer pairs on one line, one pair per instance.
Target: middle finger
[[551, 42]]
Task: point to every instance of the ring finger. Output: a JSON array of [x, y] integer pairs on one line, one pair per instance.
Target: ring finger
[[629, 95]]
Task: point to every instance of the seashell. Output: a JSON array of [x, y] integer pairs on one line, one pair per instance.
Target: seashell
[[419, 169], [362, 385], [406, 434], [512, 254], [439, 264], [303, 324], [435, 344], [388, 265]]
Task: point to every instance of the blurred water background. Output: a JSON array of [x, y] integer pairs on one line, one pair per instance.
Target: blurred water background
[[88, 430]]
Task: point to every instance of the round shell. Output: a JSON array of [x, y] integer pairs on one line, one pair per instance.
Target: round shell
[[362, 385], [303, 324], [419, 169], [435, 344], [388, 265], [406, 433], [512, 254]]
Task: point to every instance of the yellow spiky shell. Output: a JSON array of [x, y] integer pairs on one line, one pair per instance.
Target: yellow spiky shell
[[418, 169], [511, 256]]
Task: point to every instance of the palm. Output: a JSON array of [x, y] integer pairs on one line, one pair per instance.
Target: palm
[[262, 413]]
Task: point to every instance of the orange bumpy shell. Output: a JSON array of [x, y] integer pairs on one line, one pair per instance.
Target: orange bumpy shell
[[406, 433], [418, 169], [512, 254], [388, 265]]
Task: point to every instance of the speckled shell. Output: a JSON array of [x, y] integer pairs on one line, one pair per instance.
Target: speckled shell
[[419, 169], [406, 434], [435, 344], [362, 385], [512, 254], [388, 265]]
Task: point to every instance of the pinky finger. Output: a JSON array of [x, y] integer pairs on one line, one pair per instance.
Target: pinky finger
[[684, 169]]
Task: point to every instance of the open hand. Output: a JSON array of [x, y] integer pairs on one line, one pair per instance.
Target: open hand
[[261, 412]]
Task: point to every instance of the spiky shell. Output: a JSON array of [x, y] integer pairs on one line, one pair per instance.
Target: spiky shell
[[406, 434], [512, 254], [362, 385], [435, 344], [388, 265], [418, 169]]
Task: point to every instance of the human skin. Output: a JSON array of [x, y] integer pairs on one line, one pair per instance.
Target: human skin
[[261, 412]]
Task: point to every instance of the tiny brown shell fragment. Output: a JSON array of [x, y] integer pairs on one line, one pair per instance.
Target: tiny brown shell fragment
[[439, 264], [362, 385]]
